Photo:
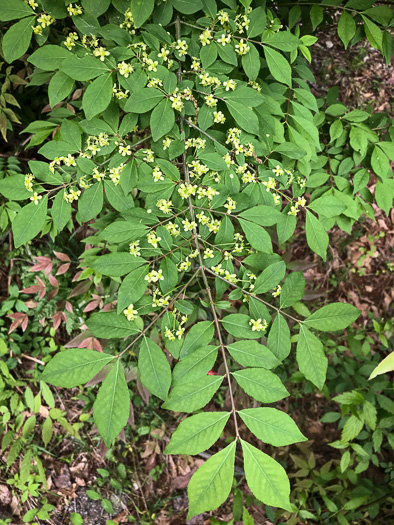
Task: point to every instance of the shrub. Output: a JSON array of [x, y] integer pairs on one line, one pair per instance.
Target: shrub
[[188, 131]]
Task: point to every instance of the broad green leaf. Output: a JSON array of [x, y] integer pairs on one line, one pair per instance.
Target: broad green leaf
[[292, 290], [261, 384], [317, 15], [271, 426], [61, 210], [29, 221], [123, 231], [263, 215], [245, 95], [155, 372], [199, 335], [279, 338], [91, 202], [13, 188], [346, 28], [188, 397], [83, 69], [116, 264], [316, 235], [270, 277], [141, 11], [311, 359], [333, 317], [253, 354], [195, 365], [373, 33], [387, 365], [279, 67], [197, 433], [238, 325], [14, 10], [132, 288], [187, 7], [116, 196], [73, 367], [244, 117], [143, 100], [286, 227], [258, 21], [384, 196], [60, 86], [170, 274], [49, 57], [17, 39], [211, 483], [110, 325], [112, 406], [328, 206], [162, 119], [97, 96], [352, 428], [266, 478], [257, 236], [251, 62], [283, 40]]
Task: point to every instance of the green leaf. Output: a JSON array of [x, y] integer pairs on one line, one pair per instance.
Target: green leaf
[[261, 384], [316, 235], [333, 317], [112, 406], [317, 15], [263, 215], [49, 57], [387, 365], [251, 62], [270, 277], [13, 188], [286, 227], [132, 288], [279, 67], [110, 325], [188, 397], [245, 95], [311, 359], [292, 290], [170, 274], [187, 7], [197, 433], [91, 202], [116, 264], [29, 222], [162, 119], [199, 335], [266, 478], [373, 33], [283, 40], [346, 28], [61, 210], [14, 10], [257, 236], [123, 231], [195, 365], [279, 338], [271, 426], [243, 116], [97, 96], [253, 354], [17, 39], [213, 160], [154, 369], [238, 325], [116, 196], [143, 100], [352, 428], [73, 367], [258, 21], [141, 11], [328, 206], [60, 86], [211, 483], [83, 69]]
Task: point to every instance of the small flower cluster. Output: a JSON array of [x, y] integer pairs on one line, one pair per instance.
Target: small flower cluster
[[57, 161], [128, 22], [231, 277], [29, 178], [130, 312], [72, 196], [176, 331], [74, 10], [43, 21], [70, 40], [125, 69], [101, 53], [258, 325]]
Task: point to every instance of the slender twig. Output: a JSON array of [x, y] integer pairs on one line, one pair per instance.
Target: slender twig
[[201, 262]]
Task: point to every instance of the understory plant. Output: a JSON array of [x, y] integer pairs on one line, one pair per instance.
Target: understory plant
[[184, 141]]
